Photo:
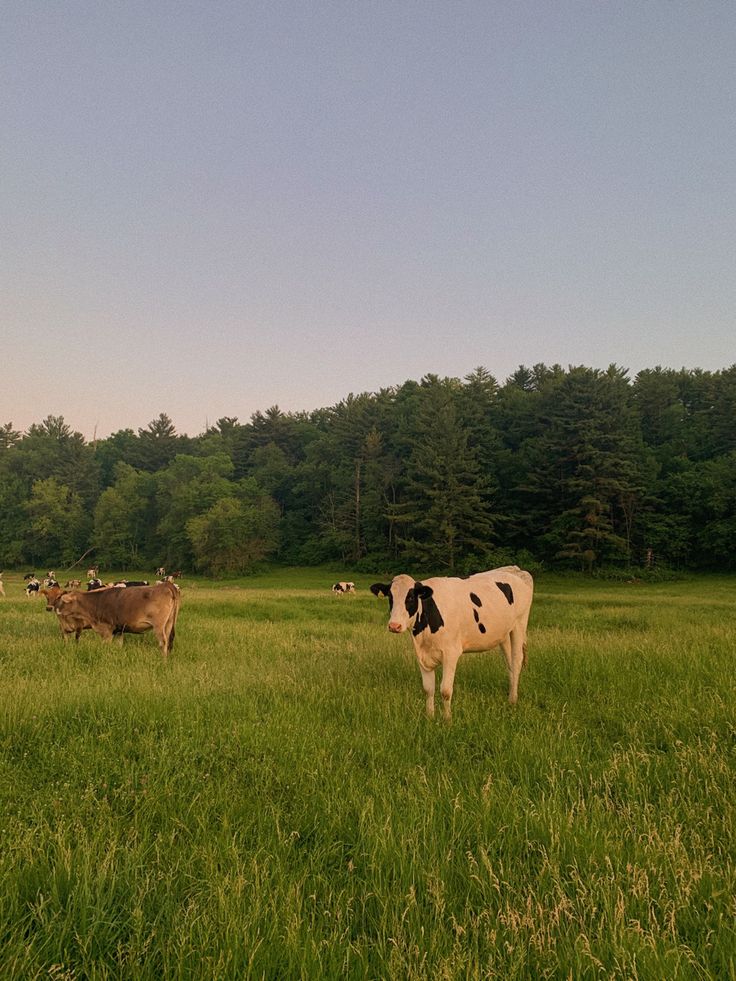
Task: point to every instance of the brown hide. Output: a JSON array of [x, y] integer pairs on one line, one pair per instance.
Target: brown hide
[[118, 611], [52, 594], [68, 625]]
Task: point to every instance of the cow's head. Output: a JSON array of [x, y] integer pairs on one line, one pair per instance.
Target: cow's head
[[411, 604], [51, 595]]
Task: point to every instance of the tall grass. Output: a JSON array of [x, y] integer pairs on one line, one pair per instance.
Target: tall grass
[[272, 802]]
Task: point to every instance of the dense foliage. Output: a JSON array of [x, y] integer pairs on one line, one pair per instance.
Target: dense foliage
[[579, 467]]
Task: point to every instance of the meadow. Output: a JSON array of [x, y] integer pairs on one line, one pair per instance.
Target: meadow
[[272, 802]]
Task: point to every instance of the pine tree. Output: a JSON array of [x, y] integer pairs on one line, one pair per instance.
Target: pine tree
[[445, 513]]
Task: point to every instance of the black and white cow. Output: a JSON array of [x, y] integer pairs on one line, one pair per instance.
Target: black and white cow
[[32, 586], [449, 616], [124, 583], [95, 583], [343, 587]]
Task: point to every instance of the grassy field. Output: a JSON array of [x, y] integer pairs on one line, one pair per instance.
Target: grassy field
[[272, 802]]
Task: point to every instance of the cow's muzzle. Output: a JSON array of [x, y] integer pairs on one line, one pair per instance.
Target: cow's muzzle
[[395, 628]]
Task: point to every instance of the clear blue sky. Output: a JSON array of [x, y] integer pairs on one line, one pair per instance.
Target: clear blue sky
[[208, 208]]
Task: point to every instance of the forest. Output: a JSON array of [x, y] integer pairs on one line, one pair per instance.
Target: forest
[[579, 468]]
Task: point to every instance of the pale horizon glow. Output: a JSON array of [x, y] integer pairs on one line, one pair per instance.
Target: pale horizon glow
[[210, 209]]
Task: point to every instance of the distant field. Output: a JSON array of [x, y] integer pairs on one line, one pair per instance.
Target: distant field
[[272, 802]]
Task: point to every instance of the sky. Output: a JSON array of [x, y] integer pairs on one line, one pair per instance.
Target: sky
[[209, 208]]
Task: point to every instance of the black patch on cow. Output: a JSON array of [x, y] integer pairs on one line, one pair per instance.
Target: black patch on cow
[[383, 589], [475, 616], [475, 599], [430, 615], [411, 602], [507, 591], [481, 628]]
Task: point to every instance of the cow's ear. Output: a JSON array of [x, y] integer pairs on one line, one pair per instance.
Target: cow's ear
[[380, 589], [422, 591]]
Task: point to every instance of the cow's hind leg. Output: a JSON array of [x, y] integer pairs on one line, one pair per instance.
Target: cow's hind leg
[[167, 634]]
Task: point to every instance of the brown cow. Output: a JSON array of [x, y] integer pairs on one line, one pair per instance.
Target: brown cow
[[114, 612]]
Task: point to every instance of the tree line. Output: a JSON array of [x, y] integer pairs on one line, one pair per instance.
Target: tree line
[[576, 467]]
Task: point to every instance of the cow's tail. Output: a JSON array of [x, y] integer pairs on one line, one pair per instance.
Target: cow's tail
[[173, 614], [529, 580]]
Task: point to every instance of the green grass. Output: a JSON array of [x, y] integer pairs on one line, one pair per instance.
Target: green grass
[[272, 802]]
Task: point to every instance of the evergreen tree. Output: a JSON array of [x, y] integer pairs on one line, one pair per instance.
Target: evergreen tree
[[587, 471], [157, 446], [446, 512]]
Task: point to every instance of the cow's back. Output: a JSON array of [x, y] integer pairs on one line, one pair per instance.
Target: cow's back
[[480, 612], [145, 602]]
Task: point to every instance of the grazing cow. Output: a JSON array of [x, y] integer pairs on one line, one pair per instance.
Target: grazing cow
[[114, 612], [343, 587], [160, 572], [176, 575], [32, 586], [93, 572], [73, 584], [449, 616]]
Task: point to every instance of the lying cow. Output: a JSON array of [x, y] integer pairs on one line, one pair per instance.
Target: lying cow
[[343, 587], [95, 584], [124, 583], [448, 617], [114, 612]]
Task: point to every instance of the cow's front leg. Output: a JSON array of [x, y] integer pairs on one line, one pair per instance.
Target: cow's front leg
[[448, 680], [428, 685]]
